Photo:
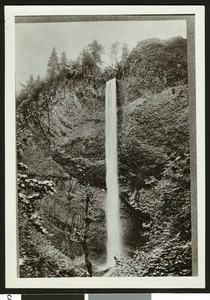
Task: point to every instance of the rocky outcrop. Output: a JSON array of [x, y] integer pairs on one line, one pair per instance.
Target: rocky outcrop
[[152, 66]]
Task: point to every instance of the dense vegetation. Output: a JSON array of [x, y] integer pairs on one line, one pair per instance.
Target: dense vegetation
[[61, 162]]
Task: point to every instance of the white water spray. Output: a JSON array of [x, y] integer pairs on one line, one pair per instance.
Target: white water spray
[[114, 240]]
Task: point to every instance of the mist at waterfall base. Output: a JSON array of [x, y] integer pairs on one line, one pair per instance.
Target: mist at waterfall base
[[114, 233]]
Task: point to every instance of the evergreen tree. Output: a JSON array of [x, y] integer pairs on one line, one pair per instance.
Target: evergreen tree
[[30, 82], [63, 61], [38, 80], [114, 53], [125, 52], [53, 65], [31, 79], [91, 58], [88, 64], [76, 66], [26, 89], [30, 192], [96, 50]]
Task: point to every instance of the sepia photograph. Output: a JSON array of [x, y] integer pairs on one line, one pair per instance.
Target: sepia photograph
[[106, 149]]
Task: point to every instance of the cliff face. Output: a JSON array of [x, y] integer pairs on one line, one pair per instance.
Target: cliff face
[[62, 129], [154, 65]]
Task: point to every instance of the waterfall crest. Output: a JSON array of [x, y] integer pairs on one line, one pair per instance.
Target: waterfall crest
[[114, 240]]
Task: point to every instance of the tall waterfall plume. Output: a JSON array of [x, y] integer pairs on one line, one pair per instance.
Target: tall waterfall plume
[[114, 239]]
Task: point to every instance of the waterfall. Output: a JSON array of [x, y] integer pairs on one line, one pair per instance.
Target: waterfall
[[114, 243]]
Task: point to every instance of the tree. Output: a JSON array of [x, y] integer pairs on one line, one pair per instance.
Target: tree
[[76, 67], [88, 64], [125, 53], [114, 53], [91, 58], [30, 192], [96, 50], [30, 82], [64, 62], [38, 80], [27, 89], [53, 65]]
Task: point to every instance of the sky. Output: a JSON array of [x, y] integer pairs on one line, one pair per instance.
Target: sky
[[34, 41]]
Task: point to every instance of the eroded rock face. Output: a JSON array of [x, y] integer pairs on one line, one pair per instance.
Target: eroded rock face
[[152, 66]]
